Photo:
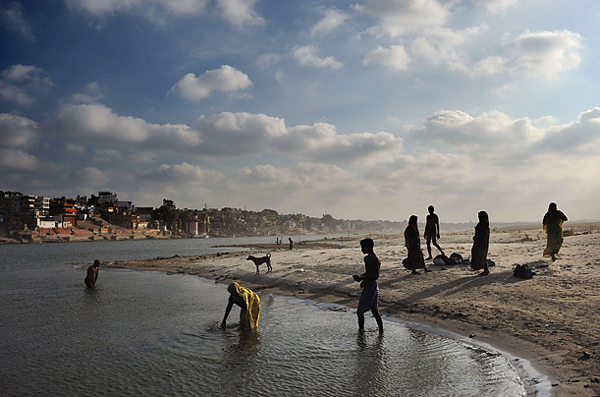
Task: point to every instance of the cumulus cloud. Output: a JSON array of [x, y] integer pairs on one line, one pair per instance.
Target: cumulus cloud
[[184, 172], [399, 17], [394, 58], [332, 20], [13, 19], [226, 78], [18, 78], [240, 13], [17, 159], [497, 5], [307, 56], [17, 131]]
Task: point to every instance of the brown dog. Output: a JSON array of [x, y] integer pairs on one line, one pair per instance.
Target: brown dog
[[259, 261]]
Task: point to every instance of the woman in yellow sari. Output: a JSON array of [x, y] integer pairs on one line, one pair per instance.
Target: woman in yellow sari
[[249, 303], [553, 221]]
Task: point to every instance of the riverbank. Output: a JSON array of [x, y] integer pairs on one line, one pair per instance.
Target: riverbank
[[552, 319]]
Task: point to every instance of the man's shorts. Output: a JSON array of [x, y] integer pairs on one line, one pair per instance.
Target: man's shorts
[[369, 298]]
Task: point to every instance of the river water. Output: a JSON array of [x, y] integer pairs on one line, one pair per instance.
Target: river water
[[153, 334]]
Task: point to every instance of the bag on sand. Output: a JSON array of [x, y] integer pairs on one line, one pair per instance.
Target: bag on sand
[[440, 260], [523, 271], [455, 259]]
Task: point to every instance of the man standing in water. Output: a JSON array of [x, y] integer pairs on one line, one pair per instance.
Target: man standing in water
[[92, 274], [432, 231], [369, 297]]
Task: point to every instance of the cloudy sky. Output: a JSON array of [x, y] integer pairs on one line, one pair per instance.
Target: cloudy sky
[[364, 109]]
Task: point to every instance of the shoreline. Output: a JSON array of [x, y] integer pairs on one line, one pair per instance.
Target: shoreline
[[552, 320]]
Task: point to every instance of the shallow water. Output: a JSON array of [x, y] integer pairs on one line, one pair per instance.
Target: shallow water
[[146, 333]]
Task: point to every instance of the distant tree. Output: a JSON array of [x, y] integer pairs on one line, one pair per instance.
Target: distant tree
[[167, 215], [184, 217]]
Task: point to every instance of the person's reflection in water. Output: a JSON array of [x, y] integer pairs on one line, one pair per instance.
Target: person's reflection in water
[[240, 366], [370, 367]]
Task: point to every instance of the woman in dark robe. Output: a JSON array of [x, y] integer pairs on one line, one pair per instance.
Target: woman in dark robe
[[552, 223], [481, 243], [415, 258]]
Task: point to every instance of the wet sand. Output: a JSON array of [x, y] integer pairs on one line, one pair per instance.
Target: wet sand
[[552, 319]]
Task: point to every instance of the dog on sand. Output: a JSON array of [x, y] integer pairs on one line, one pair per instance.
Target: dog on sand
[[259, 261]]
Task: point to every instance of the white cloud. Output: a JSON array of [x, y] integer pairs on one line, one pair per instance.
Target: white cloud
[[307, 56], [15, 94], [97, 123], [13, 20], [491, 132], [394, 58], [109, 7], [191, 174], [227, 79], [17, 159], [332, 20], [240, 13], [89, 176], [399, 17], [497, 5], [545, 54], [17, 131]]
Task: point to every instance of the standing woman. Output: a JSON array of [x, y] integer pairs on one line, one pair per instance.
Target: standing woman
[[552, 223], [415, 259], [481, 243]]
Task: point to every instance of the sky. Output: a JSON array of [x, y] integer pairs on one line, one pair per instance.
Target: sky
[[363, 109]]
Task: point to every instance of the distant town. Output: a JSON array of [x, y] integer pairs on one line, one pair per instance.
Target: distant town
[[32, 218]]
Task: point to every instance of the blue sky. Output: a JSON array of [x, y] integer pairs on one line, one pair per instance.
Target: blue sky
[[365, 109]]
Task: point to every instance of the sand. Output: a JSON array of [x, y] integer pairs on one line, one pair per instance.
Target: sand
[[552, 319]]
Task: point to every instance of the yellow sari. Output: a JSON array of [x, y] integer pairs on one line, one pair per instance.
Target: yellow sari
[[555, 238], [249, 316]]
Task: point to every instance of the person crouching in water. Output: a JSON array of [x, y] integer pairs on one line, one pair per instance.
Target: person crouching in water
[[249, 303], [369, 297], [92, 274]]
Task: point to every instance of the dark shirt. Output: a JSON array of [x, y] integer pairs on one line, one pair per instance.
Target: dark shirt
[[372, 265]]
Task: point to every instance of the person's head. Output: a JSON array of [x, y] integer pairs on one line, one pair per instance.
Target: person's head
[[233, 288], [366, 245], [430, 209], [96, 263], [552, 207], [413, 220], [483, 216]]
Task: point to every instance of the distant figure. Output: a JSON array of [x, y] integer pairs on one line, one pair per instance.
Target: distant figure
[[432, 231], [92, 274], [415, 259], [369, 297], [249, 303], [481, 243], [553, 221], [291, 243]]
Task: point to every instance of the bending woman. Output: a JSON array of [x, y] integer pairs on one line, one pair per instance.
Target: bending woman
[[249, 303], [553, 221]]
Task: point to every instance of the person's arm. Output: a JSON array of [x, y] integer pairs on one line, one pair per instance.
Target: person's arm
[[227, 311], [437, 226]]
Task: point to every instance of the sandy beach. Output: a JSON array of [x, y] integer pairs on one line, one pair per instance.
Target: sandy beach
[[552, 319]]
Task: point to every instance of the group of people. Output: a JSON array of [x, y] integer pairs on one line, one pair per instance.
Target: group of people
[[249, 301]]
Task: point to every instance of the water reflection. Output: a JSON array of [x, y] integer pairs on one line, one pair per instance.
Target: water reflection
[[369, 371]]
